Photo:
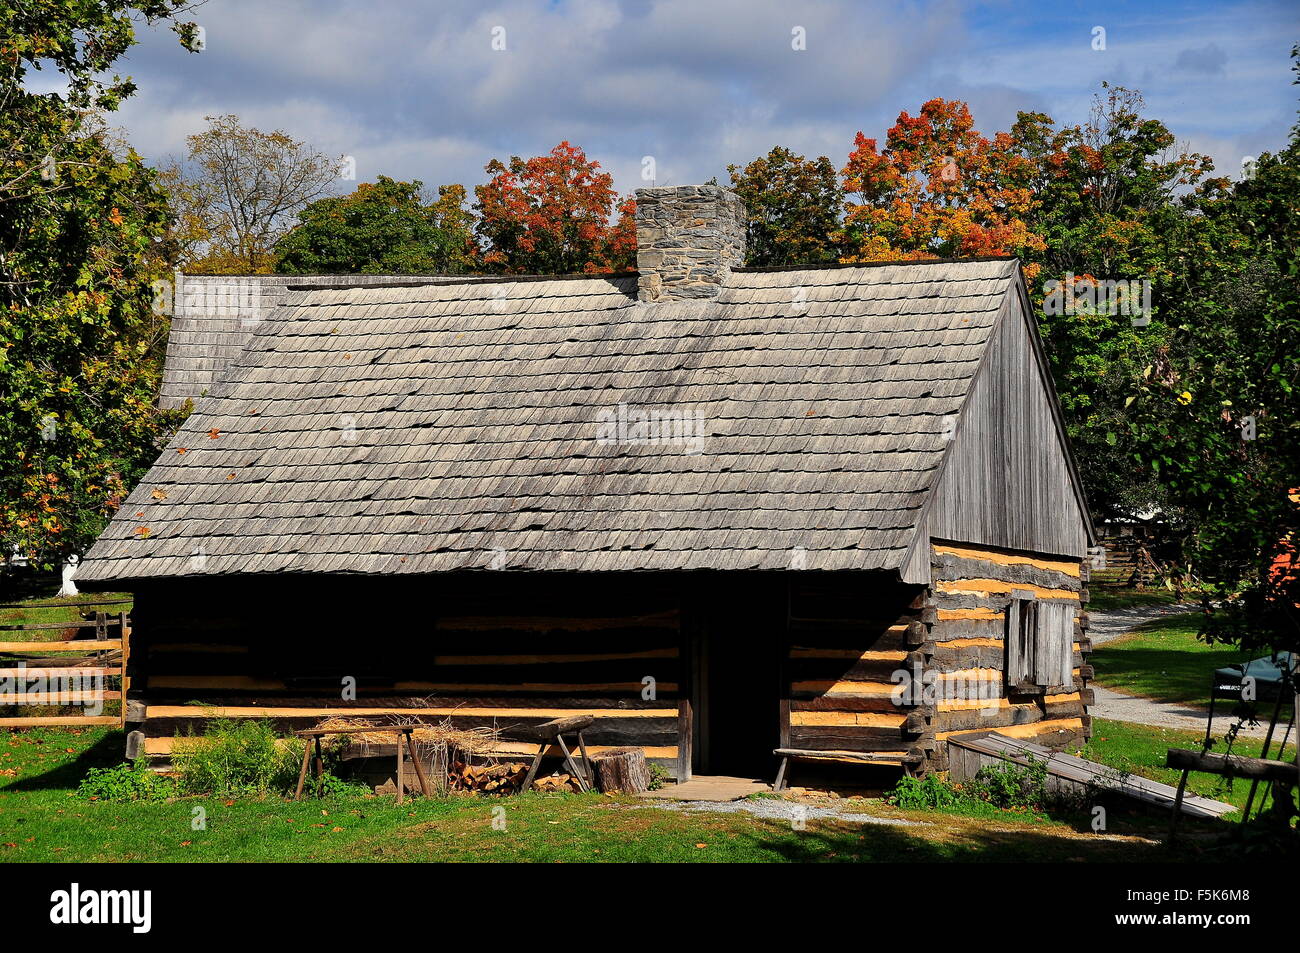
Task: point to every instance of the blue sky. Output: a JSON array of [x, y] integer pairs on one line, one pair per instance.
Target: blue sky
[[416, 90]]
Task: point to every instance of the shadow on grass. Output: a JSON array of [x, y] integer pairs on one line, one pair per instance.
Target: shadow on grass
[[964, 844], [1165, 675], [105, 752]]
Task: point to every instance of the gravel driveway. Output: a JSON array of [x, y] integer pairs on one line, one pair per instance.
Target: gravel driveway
[[1105, 627]]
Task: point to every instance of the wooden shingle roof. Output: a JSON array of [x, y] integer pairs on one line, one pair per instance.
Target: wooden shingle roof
[[215, 316], [475, 426]]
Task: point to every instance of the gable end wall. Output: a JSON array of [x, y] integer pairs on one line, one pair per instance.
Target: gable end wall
[[1007, 481]]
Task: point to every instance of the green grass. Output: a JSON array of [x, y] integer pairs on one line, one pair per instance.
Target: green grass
[[1141, 750], [42, 819], [1163, 660], [1108, 600], [32, 612]]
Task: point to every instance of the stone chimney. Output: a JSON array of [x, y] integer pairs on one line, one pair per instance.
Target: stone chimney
[[688, 238]]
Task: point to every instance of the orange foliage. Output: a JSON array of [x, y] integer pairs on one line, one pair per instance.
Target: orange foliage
[[939, 189], [551, 214]]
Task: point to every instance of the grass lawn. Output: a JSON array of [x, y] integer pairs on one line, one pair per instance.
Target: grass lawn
[[42, 819], [1140, 749], [69, 611], [1164, 660]]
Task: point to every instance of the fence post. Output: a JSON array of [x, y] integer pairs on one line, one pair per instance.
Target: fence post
[[124, 681]]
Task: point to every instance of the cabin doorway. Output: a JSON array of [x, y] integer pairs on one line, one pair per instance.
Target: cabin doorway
[[738, 691]]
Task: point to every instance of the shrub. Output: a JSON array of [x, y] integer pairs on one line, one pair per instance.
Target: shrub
[[237, 757], [1005, 786], [130, 781], [924, 793], [1013, 787], [658, 775], [331, 785]]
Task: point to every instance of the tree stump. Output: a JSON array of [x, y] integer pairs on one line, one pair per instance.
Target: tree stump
[[622, 771]]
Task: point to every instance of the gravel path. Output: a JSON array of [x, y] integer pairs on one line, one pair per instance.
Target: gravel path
[[1105, 627], [779, 809]]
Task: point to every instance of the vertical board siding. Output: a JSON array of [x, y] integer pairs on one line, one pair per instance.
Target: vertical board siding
[[1007, 482]]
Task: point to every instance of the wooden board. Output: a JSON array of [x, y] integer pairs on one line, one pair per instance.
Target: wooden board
[[1000, 746], [1005, 558], [73, 721], [76, 645]]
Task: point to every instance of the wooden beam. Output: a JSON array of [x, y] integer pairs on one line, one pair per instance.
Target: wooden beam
[[520, 749], [74, 721], [1031, 730], [58, 698], [76, 645], [263, 711], [860, 719], [986, 587], [1232, 766], [69, 671], [1007, 559]]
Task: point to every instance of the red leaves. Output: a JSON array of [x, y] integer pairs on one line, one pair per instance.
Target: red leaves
[[551, 214]]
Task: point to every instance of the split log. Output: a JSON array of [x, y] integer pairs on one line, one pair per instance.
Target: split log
[[622, 771], [1231, 765]]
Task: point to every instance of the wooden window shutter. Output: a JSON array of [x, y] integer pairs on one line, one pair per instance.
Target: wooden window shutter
[[1022, 616], [1054, 657]]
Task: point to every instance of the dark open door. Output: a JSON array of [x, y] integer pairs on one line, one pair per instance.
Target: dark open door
[[737, 658]]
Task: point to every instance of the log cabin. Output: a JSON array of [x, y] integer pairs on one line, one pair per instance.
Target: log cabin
[[727, 511]]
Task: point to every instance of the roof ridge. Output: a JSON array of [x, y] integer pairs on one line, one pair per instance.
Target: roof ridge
[[345, 284], [837, 265]]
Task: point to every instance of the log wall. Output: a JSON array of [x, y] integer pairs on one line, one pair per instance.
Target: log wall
[[965, 643], [484, 652], [849, 635], [512, 650]]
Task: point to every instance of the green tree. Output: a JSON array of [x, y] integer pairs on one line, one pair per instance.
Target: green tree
[[1216, 416], [1113, 203], [793, 204], [80, 338], [381, 228], [456, 220]]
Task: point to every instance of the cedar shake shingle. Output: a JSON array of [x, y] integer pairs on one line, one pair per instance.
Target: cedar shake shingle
[[413, 429]]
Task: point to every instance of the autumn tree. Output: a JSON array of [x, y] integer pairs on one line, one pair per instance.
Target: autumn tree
[[938, 189], [793, 207], [554, 214], [244, 187], [457, 222], [188, 226], [385, 227], [80, 339]]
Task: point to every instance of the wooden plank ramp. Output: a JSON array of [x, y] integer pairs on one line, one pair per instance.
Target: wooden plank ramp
[[1077, 771]]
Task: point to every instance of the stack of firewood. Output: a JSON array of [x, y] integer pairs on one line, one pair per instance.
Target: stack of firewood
[[504, 778]]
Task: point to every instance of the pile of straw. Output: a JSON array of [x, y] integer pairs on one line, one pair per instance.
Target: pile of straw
[[438, 745]]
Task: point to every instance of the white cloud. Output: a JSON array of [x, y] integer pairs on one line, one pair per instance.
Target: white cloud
[[416, 90]]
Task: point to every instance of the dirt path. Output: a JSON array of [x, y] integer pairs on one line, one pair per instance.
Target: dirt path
[[1105, 627]]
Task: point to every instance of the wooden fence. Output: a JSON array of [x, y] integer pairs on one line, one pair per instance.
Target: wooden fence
[[67, 665]]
